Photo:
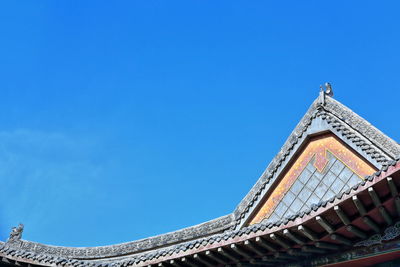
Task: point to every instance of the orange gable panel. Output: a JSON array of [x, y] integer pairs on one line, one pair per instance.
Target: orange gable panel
[[317, 148]]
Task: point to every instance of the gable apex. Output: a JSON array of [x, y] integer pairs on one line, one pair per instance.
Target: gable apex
[[324, 115]]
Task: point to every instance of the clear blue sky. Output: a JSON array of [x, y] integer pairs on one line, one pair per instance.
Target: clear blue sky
[[122, 120]]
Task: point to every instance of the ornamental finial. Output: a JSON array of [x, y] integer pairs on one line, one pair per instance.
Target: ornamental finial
[[328, 89], [16, 233]]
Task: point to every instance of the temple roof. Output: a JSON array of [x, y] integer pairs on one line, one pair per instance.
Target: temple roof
[[325, 114], [367, 154]]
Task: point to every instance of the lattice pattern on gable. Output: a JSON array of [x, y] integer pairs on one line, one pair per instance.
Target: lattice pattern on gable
[[323, 168], [313, 186]]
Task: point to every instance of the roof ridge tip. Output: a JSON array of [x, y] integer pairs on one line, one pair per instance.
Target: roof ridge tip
[[360, 124], [325, 92]]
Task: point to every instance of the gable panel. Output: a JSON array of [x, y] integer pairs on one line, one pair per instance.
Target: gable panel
[[323, 168]]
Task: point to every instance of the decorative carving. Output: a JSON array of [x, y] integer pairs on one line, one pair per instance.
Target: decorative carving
[[16, 233], [328, 90], [390, 233], [325, 92]]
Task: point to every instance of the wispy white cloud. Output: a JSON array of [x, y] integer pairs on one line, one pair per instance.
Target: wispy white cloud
[[43, 176]]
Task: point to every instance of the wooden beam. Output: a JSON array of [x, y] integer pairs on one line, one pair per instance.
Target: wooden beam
[[270, 259], [264, 261], [312, 249], [392, 187], [255, 248], [177, 263], [297, 252], [230, 256], [326, 245], [241, 251], [342, 215], [293, 237], [385, 214], [216, 257], [261, 242], [308, 233], [187, 261], [397, 205], [325, 224], [280, 241], [356, 231], [17, 263], [260, 263], [359, 205], [374, 196], [341, 239], [281, 255], [203, 260], [373, 225]]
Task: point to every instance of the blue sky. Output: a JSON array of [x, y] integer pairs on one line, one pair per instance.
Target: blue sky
[[123, 120]]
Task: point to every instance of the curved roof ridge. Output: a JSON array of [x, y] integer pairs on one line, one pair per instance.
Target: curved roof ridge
[[205, 229]]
